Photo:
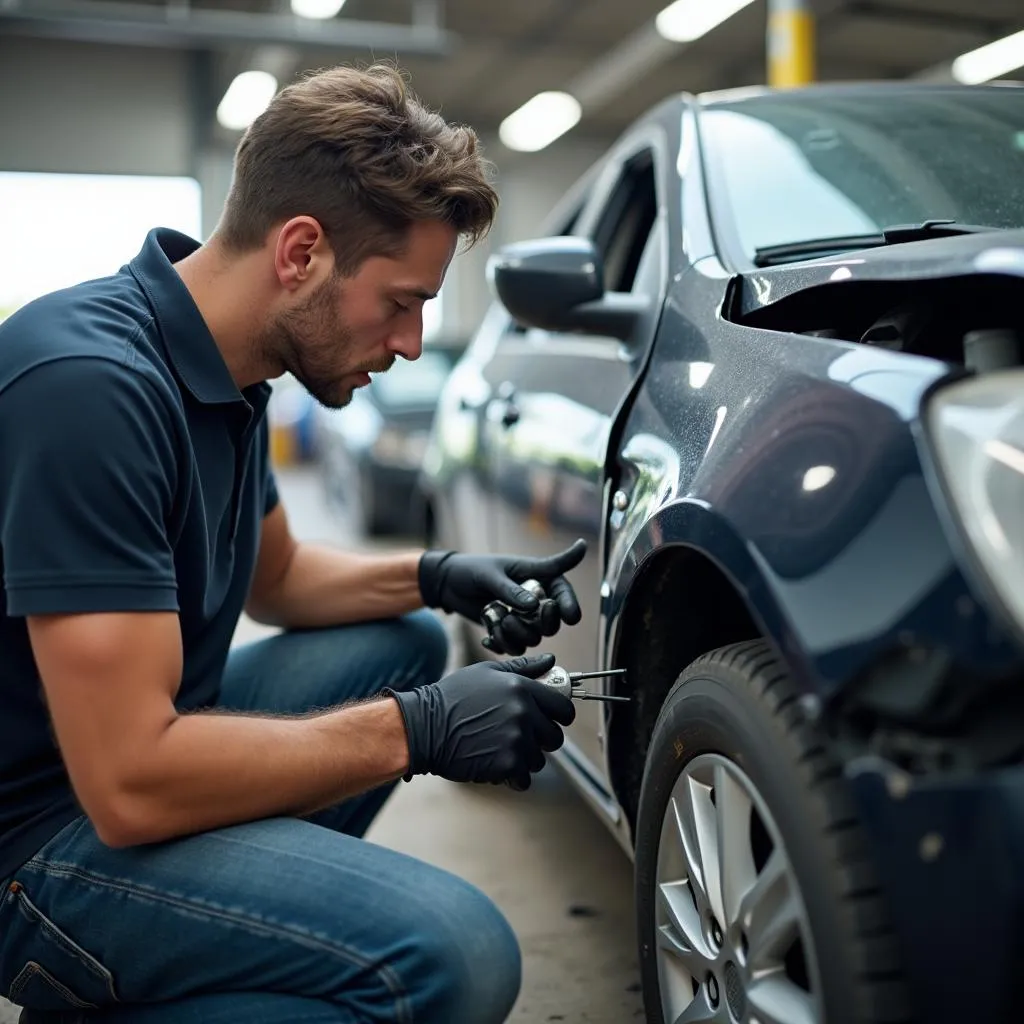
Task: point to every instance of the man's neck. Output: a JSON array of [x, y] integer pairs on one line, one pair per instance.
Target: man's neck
[[226, 292]]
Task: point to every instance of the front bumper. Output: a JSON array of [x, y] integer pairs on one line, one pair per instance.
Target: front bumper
[[950, 855]]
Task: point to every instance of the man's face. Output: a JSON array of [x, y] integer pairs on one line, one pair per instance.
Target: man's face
[[350, 327]]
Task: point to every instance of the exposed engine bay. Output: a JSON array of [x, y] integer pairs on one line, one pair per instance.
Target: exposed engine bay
[[976, 321]]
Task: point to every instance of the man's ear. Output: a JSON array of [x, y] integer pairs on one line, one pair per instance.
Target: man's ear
[[301, 253]]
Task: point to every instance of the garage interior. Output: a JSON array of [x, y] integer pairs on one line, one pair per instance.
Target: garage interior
[[94, 90]]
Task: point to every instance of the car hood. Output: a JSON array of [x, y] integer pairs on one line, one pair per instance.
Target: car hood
[[993, 252]]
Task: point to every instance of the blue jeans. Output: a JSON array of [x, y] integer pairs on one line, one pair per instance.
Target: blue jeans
[[279, 921]]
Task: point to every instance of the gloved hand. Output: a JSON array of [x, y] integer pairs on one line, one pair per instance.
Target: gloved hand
[[489, 722], [464, 584]]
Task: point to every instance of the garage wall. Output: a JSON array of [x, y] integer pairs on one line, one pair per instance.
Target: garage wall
[[67, 107], [532, 183], [529, 185], [74, 108]]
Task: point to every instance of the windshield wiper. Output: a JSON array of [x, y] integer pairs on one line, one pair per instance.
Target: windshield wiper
[[790, 252]]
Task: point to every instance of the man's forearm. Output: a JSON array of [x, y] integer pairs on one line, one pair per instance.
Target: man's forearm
[[211, 769], [324, 586]]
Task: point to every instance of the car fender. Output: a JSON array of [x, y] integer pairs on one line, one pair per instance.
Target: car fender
[[690, 524], [832, 622]]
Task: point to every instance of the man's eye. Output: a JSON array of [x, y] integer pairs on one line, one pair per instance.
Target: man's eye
[[399, 308]]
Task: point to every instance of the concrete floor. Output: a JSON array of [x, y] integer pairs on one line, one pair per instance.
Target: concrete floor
[[562, 881]]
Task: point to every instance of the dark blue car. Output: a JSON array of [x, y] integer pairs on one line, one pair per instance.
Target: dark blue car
[[769, 363]]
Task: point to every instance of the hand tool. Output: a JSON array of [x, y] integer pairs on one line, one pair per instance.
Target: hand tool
[[565, 683], [494, 612], [558, 678]]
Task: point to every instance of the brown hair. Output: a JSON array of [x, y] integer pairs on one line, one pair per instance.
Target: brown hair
[[357, 151]]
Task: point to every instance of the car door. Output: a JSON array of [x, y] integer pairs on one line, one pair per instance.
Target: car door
[[557, 397]]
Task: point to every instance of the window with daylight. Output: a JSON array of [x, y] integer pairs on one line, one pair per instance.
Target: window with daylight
[[59, 229]]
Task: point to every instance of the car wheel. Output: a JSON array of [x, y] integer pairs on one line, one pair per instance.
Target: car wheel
[[756, 899]]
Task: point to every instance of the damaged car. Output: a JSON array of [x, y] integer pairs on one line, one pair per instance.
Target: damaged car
[[767, 360]]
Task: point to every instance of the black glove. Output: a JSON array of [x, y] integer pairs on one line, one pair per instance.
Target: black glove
[[464, 584], [489, 722]]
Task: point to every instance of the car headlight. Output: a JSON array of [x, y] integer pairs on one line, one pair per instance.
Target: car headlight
[[977, 427]]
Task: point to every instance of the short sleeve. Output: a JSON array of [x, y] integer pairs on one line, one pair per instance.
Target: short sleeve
[[88, 474]]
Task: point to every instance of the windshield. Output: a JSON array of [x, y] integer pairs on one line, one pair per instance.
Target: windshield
[[801, 166], [417, 383]]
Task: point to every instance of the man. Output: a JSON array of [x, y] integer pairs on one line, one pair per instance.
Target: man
[[180, 826]]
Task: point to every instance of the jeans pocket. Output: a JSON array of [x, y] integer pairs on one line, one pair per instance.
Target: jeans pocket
[[52, 972]]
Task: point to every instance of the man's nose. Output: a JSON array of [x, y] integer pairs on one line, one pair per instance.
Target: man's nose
[[407, 340]]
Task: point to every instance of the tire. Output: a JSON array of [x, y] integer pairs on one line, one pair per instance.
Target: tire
[[731, 733]]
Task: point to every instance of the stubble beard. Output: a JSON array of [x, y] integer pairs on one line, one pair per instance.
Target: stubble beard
[[315, 346]]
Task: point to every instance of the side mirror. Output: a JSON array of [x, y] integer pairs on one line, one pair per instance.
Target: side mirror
[[557, 284]]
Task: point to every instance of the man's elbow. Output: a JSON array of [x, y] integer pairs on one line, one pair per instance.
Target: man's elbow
[[121, 818], [119, 826], [116, 836], [262, 609]]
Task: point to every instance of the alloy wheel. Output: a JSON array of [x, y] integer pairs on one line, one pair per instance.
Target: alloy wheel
[[734, 941]]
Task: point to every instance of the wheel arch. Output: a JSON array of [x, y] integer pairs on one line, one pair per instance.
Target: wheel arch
[[681, 604], [684, 584]]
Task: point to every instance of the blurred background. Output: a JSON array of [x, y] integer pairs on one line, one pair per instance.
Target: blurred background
[[117, 116]]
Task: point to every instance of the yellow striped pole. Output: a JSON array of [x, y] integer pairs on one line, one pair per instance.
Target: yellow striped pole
[[790, 43], [283, 446]]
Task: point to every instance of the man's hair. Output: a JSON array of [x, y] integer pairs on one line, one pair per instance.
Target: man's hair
[[355, 149]]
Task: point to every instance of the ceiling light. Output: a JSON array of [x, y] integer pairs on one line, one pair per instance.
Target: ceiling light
[[247, 97], [317, 8], [538, 122], [687, 20], [991, 61]]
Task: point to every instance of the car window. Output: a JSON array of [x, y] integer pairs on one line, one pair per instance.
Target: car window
[[624, 228], [793, 167]]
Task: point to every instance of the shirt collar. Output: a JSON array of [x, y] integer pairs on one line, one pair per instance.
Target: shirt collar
[[192, 351]]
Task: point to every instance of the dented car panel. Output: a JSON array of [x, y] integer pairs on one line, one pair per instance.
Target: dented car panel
[[793, 462]]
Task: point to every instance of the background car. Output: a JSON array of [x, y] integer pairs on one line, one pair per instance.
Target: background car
[[371, 451], [768, 362]]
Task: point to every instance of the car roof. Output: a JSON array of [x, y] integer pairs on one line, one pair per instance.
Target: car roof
[[865, 88]]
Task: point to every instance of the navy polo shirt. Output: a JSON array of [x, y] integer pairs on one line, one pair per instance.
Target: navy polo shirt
[[134, 477]]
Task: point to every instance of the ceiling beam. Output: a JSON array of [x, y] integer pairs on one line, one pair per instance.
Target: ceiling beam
[[950, 21], [206, 28]]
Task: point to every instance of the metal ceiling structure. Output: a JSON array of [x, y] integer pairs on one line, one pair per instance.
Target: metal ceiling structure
[[478, 60], [180, 24]]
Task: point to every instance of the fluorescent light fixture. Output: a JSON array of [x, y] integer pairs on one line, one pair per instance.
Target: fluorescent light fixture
[[991, 61], [538, 122], [247, 97], [320, 9], [687, 20]]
